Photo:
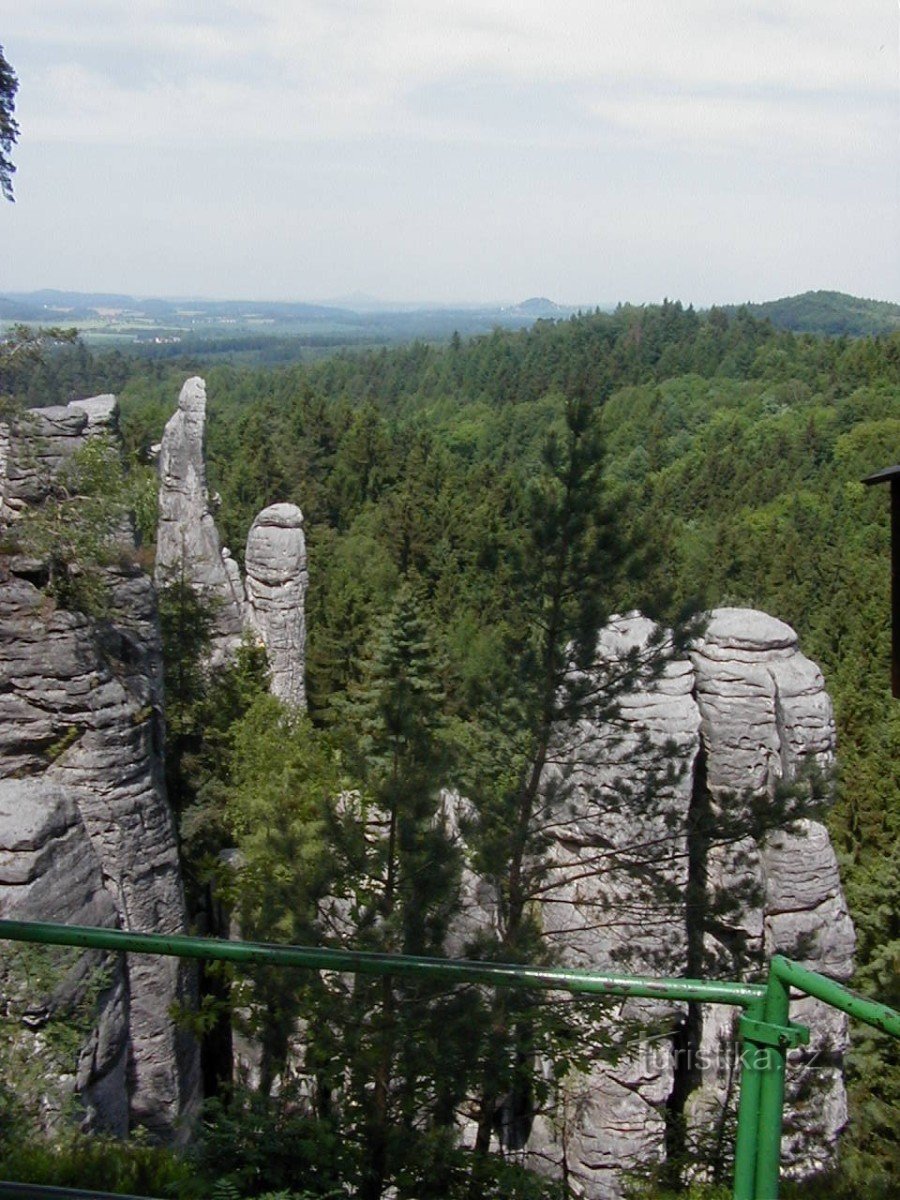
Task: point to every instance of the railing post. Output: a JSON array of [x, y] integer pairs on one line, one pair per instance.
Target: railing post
[[766, 1036], [771, 1095], [746, 1145]]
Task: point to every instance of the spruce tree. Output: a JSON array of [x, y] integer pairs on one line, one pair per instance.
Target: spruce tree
[[574, 563], [407, 889]]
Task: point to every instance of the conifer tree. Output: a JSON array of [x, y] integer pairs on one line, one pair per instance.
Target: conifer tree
[[9, 129], [407, 891], [573, 562]]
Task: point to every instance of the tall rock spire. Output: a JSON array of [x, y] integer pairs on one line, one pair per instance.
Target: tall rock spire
[[188, 547]]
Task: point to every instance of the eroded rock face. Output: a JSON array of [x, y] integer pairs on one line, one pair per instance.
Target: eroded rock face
[[270, 603], [745, 713], [187, 544], [275, 563], [616, 900], [86, 826], [43, 843], [766, 718], [39, 444]]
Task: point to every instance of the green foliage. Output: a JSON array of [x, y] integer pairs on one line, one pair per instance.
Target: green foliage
[[283, 780], [77, 1160], [25, 351], [81, 528], [644, 1190], [401, 876], [255, 1145], [468, 537], [831, 313], [9, 129]]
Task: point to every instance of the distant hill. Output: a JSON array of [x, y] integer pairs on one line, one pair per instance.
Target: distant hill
[[831, 313], [539, 306], [190, 324]]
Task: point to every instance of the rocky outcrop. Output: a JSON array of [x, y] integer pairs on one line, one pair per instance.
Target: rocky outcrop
[[616, 900], [661, 865], [275, 563], [40, 442], [85, 825], [270, 604], [188, 548], [43, 841]]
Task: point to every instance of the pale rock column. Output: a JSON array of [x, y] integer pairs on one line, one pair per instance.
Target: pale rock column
[[276, 581], [188, 548]]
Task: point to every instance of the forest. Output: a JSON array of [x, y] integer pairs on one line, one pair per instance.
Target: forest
[[474, 513]]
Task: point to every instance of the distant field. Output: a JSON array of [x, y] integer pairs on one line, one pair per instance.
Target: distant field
[[238, 328]]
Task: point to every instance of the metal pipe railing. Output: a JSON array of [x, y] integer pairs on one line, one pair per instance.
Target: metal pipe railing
[[447, 970], [765, 1029]]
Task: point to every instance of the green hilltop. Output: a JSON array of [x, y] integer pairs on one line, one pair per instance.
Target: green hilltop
[[831, 313]]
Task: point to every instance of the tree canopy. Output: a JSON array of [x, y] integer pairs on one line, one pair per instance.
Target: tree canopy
[[473, 513]]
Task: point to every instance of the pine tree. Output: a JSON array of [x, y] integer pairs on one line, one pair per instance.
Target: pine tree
[[573, 563], [407, 892], [9, 129]]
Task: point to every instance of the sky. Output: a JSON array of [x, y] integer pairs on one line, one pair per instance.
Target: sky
[[447, 151]]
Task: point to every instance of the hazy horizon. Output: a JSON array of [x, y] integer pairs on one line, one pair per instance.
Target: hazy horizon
[[367, 301], [473, 154]]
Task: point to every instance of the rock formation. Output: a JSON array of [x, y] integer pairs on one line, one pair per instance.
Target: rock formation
[[744, 714], [35, 448], [276, 587], [271, 605], [188, 548], [85, 827], [43, 841]]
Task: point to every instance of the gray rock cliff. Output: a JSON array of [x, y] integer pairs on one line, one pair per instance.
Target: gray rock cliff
[[270, 603], [745, 713], [85, 827], [187, 542], [40, 442]]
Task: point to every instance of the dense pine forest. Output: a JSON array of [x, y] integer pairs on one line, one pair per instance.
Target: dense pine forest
[[474, 510]]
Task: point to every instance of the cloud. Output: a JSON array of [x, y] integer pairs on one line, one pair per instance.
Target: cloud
[[587, 150], [162, 71]]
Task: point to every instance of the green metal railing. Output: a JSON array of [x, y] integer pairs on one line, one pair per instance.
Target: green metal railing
[[765, 1030]]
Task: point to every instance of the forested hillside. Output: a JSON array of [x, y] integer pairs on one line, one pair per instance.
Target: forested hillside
[[833, 313], [463, 519]]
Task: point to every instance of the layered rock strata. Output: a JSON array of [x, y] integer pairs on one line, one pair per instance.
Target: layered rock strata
[[85, 824], [698, 747], [766, 720], [188, 549], [40, 442], [269, 604], [275, 563]]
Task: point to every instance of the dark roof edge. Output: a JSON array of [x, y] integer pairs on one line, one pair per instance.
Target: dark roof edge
[[884, 476]]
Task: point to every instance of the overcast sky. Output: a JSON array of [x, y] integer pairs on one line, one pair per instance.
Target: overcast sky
[[455, 150]]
